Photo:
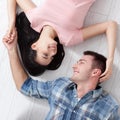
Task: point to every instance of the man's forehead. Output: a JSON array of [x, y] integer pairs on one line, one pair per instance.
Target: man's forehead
[[86, 58]]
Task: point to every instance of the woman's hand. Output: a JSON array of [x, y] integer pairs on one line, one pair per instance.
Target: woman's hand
[[10, 40], [106, 75], [11, 31]]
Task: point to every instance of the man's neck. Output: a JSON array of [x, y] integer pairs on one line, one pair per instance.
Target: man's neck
[[84, 88]]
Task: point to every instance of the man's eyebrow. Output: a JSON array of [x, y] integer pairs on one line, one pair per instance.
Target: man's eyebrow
[[83, 60]]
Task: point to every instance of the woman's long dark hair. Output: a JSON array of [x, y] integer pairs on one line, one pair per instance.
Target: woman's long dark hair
[[26, 37]]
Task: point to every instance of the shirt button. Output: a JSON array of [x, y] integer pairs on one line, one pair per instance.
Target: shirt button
[[74, 111]]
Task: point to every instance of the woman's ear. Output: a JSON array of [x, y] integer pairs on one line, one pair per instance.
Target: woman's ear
[[96, 72], [33, 46]]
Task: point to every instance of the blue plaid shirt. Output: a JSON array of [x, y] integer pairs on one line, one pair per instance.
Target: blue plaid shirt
[[64, 104]]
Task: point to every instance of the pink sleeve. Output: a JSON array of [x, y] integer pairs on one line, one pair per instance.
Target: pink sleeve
[[76, 38], [36, 22]]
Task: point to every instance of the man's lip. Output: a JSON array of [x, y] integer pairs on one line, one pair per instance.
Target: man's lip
[[76, 72]]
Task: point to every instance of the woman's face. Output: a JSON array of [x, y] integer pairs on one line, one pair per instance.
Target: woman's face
[[46, 49]]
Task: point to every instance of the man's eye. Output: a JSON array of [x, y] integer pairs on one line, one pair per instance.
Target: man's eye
[[82, 62]]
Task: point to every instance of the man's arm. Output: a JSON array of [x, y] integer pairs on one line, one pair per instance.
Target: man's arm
[[29, 87], [19, 74]]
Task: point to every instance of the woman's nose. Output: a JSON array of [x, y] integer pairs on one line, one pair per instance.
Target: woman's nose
[[52, 49], [53, 53], [46, 49]]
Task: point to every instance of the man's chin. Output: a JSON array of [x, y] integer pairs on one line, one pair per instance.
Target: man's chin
[[73, 78]]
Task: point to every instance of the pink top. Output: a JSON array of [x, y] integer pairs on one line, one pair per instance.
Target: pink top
[[65, 16]]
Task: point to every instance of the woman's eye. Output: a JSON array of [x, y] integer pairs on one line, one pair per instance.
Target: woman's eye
[[52, 57], [46, 55]]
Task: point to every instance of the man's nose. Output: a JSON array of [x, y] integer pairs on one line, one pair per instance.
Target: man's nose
[[75, 65]]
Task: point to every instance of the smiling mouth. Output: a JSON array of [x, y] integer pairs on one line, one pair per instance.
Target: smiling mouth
[[53, 46], [76, 72]]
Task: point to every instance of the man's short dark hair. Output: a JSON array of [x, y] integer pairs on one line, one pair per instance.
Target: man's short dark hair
[[99, 61]]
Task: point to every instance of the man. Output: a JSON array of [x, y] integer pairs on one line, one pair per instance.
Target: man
[[76, 98]]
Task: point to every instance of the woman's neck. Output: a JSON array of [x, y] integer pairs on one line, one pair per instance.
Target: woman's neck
[[49, 31]]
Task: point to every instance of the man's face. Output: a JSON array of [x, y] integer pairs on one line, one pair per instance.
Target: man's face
[[82, 69]]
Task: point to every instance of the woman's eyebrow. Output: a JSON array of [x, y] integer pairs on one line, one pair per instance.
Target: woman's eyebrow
[[45, 57]]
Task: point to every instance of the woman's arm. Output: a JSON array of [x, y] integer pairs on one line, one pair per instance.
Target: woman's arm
[[11, 4], [110, 29], [25, 5]]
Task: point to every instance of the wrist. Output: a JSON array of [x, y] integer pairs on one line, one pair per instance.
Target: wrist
[[11, 24], [12, 50], [110, 58]]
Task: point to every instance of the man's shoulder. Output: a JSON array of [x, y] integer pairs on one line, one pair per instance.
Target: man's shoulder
[[62, 81], [105, 105], [108, 99]]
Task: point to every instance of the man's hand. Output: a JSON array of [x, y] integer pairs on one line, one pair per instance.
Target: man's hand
[[10, 39], [106, 75]]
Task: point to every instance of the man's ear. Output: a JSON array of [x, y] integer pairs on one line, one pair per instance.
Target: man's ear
[[96, 72]]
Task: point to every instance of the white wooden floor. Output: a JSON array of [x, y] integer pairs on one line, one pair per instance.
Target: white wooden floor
[[15, 106]]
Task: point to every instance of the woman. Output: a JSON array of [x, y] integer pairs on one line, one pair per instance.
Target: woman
[[42, 30]]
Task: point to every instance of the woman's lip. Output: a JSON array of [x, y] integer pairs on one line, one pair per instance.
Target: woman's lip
[[53, 46]]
